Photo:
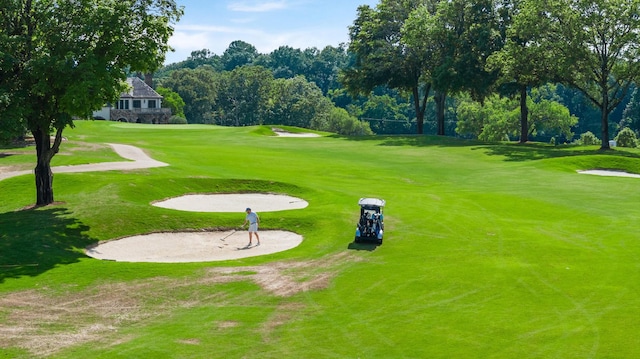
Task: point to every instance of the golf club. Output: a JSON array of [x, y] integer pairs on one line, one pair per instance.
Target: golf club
[[228, 235]]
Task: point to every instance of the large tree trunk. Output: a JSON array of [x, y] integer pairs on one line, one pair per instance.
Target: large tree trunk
[[43, 173], [604, 116], [524, 115], [419, 112], [420, 105], [440, 98]]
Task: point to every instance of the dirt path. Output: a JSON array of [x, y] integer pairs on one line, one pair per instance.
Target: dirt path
[[138, 160]]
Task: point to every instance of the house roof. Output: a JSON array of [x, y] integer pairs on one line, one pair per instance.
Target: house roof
[[139, 89]]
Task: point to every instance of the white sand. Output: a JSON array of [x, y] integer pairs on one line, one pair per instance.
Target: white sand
[[237, 202], [182, 247], [609, 173]]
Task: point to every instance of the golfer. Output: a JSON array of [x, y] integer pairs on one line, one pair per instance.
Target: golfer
[[254, 221]]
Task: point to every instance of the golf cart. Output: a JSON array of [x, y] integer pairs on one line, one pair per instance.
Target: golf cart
[[371, 224]]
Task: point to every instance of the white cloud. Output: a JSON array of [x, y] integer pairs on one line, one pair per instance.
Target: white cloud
[[257, 6]]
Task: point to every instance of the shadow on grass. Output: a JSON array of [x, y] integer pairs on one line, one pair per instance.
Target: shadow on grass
[[413, 140], [538, 151], [36, 240], [511, 151], [363, 246]]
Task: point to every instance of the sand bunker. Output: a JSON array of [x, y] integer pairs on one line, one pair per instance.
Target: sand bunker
[[183, 247], [282, 133], [233, 202], [609, 173]]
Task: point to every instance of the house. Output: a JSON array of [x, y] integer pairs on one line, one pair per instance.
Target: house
[[141, 104]]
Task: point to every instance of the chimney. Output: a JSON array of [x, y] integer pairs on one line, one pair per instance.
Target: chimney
[[148, 79]]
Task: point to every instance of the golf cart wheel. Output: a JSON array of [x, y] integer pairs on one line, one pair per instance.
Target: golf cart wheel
[[357, 239], [379, 241]]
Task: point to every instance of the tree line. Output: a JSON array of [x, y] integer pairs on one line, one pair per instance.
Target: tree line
[[488, 69]]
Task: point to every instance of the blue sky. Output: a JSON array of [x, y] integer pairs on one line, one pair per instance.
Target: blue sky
[[265, 24]]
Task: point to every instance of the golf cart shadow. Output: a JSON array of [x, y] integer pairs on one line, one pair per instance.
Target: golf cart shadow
[[363, 246]]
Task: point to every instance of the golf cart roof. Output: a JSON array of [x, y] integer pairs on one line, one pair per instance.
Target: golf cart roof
[[371, 202]]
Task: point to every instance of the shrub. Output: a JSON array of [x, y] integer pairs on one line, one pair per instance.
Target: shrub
[[588, 139], [339, 121], [626, 138], [177, 120]]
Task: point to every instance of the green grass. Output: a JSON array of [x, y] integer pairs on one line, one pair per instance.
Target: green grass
[[491, 250]]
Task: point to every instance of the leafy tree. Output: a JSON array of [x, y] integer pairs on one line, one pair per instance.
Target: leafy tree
[[339, 121], [385, 114], [380, 57], [325, 65], [458, 36], [243, 99], [286, 62], [63, 59], [599, 44], [549, 117], [239, 53], [172, 100], [523, 62], [626, 138], [295, 102], [499, 118], [198, 89], [631, 114]]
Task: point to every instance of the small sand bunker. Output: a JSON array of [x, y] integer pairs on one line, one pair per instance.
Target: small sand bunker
[[282, 133], [233, 202], [609, 173], [184, 247]]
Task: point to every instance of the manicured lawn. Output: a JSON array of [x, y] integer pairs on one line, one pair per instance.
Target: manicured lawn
[[491, 251]]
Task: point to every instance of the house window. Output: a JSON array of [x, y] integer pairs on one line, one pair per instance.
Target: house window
[[136, 104], [123, 104], [152, 104]]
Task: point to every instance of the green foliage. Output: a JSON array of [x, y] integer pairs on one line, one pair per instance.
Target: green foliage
[[172, 100], [631, 113], [596, 41], [177, 120], [339, 121], [238, 54], [198, 88], [499, 117], [244, 96], [64, 59], [588, 139], [296, 102], [626, 138], [381, 57]]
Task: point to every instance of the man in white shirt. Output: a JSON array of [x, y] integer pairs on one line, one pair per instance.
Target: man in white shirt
[[254, 221]]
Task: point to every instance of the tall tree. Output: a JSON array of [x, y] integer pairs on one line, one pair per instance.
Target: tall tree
[[239, 53], [66, 58], [295, 102], [457, 37], [380, 57], [523, 62], [325, 67], [601, 38], [243, 97], [199, 90]]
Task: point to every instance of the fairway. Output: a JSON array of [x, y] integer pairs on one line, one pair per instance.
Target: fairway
[[491, 250]]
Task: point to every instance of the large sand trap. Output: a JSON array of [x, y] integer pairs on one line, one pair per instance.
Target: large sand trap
[[185, 247], [233, 202]]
